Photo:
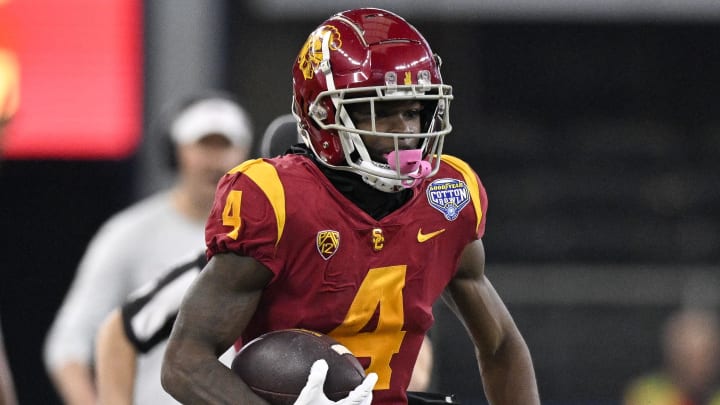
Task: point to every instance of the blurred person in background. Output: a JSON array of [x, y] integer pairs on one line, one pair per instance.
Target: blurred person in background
[[9, 102], [138, 327], [7, 387], [206, 134], [691, 362]]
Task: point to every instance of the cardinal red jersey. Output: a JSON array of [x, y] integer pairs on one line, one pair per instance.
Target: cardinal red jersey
[[368, 283]]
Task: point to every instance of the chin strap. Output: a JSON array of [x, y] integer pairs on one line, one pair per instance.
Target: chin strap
[[410, 163]]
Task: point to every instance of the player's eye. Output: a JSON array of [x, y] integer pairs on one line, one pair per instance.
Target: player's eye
[[412, 113]]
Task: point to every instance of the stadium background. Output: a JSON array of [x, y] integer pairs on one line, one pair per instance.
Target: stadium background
[[593, 125]]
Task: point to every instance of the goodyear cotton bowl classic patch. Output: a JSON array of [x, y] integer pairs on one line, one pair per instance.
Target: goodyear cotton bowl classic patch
[[448, 196]]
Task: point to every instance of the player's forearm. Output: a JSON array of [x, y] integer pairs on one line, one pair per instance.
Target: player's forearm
[[116, 383], [508, 374], [7, 388], [73, 382], [207, 381], [116, 360], [214, 312]]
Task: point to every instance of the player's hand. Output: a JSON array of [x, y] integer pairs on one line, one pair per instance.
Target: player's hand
[[313, 393]]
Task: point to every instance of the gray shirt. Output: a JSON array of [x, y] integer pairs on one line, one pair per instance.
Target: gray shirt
[[134, 246]]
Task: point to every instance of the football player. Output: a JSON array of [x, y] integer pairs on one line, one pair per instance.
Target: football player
[[144, 320], [355, 235]]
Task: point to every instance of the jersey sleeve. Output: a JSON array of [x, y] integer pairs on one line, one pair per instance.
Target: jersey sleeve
[[149, 313], [248, 214]]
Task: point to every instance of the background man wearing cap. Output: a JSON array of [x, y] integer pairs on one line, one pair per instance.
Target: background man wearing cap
[[208, 134]]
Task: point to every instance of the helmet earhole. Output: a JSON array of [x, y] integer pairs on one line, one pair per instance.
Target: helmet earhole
[[319, 112]]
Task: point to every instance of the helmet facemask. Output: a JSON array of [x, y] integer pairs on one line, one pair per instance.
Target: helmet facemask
[[400, 168]]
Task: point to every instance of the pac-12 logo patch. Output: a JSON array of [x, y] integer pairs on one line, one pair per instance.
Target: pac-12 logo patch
[[327, 243], [448, 196]]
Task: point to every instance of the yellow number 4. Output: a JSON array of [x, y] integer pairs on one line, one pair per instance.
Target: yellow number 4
[[382, 287], [231, 213]]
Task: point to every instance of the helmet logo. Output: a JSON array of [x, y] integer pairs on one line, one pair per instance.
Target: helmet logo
[[311, 53], [327, 243], [448, 196]]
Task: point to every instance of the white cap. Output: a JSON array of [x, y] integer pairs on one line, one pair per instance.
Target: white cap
[[212, 116]]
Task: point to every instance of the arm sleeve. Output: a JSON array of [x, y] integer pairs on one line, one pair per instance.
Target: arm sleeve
[[477, 191], [248, 215], [148, 315]]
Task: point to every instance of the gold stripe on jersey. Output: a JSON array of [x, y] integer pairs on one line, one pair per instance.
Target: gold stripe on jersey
[[265, 176], [471, 181]]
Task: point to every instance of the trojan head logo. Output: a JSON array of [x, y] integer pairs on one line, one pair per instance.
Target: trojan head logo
[[327, 243], [311, 53]]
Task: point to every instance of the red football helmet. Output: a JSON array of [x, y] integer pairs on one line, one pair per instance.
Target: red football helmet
[[369, 55]]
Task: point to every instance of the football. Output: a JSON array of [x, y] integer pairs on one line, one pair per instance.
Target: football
[[276, 365]]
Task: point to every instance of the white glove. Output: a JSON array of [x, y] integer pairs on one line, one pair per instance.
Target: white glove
[[313, 393]]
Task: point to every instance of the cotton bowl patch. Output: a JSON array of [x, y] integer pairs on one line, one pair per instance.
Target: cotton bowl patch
[[448, 196]]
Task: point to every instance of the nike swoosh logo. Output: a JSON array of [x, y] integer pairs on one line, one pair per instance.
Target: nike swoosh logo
[[424, 237]]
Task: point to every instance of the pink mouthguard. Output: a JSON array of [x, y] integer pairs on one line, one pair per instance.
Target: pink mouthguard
[[411, 164]]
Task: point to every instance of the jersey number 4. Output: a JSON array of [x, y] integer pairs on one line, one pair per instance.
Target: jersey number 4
[[231, 213], [382, 288]]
